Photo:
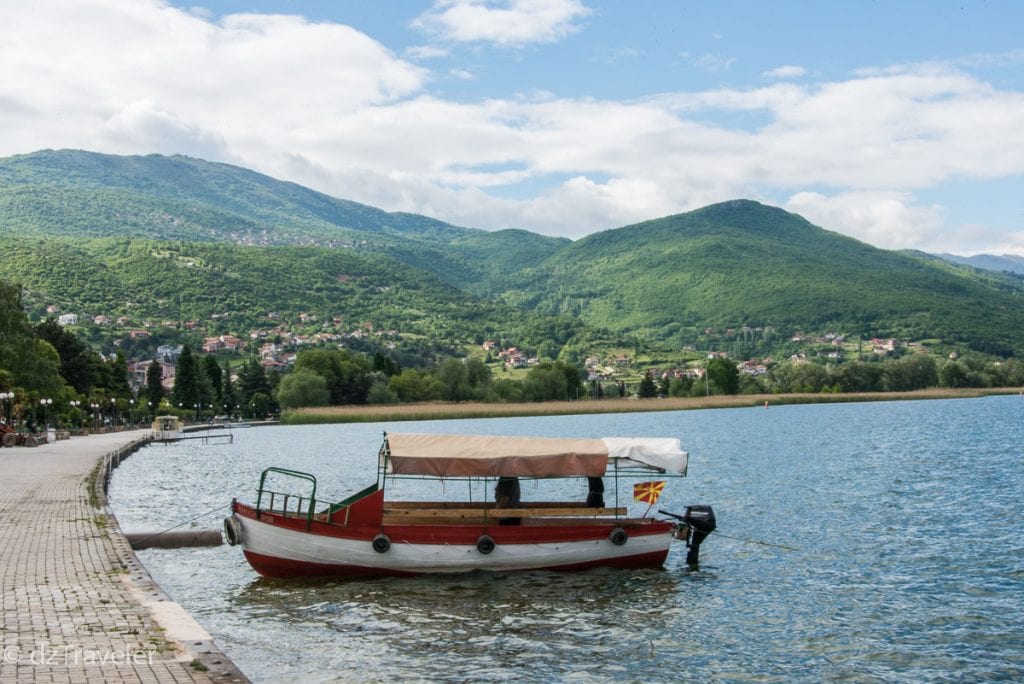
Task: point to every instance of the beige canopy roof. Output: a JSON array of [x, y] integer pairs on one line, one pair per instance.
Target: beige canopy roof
[[495, 456]]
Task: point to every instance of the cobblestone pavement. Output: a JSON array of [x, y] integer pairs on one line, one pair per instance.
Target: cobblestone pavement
[[77, 606]]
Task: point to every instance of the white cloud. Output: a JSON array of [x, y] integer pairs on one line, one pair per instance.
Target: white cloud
[[250, 80], [324, 105], [889, 220], [714, 63], [504, 22], [786, 71], [426, 52]]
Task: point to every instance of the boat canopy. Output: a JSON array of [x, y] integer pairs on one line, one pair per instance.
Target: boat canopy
[[496, 456]]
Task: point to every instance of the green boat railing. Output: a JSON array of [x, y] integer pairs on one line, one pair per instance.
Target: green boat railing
[[310, 509], [303, 506]]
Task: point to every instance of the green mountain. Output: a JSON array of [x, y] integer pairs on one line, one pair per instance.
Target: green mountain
[[84, 194], [990, 262], [742, 263], [180, 235]]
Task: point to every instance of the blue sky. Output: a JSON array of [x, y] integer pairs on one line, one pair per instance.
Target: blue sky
[[899, 123]]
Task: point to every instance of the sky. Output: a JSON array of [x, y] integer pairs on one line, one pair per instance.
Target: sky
[[898, 123]]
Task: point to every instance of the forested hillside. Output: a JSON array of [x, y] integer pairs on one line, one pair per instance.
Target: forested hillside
[[743, 263], [238, 289], [184, 238]]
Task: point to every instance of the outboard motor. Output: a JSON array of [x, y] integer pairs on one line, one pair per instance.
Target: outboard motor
[[699, 522]]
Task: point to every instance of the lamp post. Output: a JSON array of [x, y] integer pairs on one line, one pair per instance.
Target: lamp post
[[46, 403], [131, 405], [95, 415], [75, 403], [113, 413], [5, 404]]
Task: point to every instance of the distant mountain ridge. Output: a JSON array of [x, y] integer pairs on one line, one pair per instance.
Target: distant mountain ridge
[[737, 263], [990, 262]]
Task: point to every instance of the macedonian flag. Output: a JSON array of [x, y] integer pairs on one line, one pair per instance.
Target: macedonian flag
[[648, 492]]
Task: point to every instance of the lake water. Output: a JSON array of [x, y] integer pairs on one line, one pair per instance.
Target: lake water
[[905, 520]]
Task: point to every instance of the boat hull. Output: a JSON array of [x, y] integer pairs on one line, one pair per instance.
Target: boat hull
[[278, 546]]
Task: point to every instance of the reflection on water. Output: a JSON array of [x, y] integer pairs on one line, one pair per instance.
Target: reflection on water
[[479, 626], [906, 519]]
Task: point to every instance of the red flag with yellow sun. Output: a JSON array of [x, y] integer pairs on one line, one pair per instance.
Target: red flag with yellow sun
[[648, 492]]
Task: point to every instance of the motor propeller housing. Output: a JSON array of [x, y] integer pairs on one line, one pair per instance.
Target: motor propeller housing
[[700, 522]]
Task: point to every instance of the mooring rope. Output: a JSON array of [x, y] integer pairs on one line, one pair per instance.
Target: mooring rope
[[755, 541]]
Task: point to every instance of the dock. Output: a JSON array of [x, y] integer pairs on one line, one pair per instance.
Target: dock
[[78, 606]]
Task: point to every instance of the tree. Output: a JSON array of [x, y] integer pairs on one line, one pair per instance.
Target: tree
[[347, 374], [229, 396], [478, 375], [259, 405], [252, 380], [574, 378], [33, 363], [154, 386], [453, 376], [385, 365], [412, 385], [302, 388], [724, 374], [76, 359], [186, 380], [647, 389], [916, 371], [381, 393], [953, 374], [545, 383], [118, 382], [215, 378], [861, 377]]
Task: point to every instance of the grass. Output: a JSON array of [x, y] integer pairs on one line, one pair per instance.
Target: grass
[[448, 411]]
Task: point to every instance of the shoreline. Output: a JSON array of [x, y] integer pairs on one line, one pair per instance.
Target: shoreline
[[468, 410], [84, 607]]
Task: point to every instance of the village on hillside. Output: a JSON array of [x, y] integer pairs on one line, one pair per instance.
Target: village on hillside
[[277, 345]]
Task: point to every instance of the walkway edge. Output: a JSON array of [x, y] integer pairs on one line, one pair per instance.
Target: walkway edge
[[194, 644]]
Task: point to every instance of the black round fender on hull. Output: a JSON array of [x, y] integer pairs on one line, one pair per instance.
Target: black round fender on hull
[[618, 536], [232, 530], [485, 544], [381, 543]]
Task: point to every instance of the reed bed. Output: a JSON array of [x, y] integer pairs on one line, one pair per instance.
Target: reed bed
[[464, 410]]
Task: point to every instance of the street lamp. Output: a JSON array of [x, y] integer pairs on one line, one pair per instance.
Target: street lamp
[[45, 403], [5, 404], [95, 415], [131, 405], [75, 403], [113, 413]]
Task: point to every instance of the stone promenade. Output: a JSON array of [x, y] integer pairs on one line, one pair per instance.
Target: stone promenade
[[77, 606]]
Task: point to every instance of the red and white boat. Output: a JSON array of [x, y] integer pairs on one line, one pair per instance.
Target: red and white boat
[[292, 535]]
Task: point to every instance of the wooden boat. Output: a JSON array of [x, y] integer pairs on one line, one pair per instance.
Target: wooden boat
[[291, 535]]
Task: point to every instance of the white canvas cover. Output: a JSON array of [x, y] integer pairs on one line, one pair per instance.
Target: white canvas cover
[[662, 453], [496, 456]]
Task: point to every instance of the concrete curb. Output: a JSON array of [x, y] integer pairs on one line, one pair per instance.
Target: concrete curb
[[193, 642]]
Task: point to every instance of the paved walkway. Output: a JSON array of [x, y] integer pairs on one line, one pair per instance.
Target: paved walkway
[[77, 605]]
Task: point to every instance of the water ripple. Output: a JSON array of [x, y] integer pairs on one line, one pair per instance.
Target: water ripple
[[906, 517]]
